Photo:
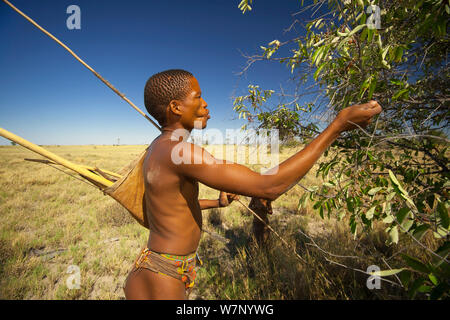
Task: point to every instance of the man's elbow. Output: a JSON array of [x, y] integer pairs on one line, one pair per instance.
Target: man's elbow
[[273, 196], [275, 190], [272, 193]]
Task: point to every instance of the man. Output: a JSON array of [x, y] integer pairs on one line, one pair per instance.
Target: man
[[173, 167]]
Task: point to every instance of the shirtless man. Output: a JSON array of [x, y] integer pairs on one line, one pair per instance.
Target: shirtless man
[[173, 167]]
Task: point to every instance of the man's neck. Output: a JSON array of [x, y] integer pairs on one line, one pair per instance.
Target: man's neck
[[175, 132]]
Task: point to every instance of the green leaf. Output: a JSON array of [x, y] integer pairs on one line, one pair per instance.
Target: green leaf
[[407, 224], [408, 199], [385, 273], [397, 82], [318, 43], [401, 214], [439, 290], [315, 54], [356, 30], [319, 69], [350, 205], [398, 54], [302, 201], [424, 289], [370, 212], [373, 85], [395, 181], [387, 208], [333, 203], [402, 192], [328, 206], [364, 87], [400, 93], [321, 55], [433, 279], [440, 233], [405, 277], [444, 249], [420, 231], [373, 191], [244, 6], [415, 286], [364, 34], [390, 196], [317, 205], [443, 214], [393, 235], [352, 223], [370, 34], [385, 51], [415, 264]]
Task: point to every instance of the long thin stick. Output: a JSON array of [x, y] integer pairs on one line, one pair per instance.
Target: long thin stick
[[83, 63], [110, 173], [66, 163], [271, 229]]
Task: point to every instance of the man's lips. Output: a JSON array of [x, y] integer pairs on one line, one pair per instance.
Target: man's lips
[[207, 116]]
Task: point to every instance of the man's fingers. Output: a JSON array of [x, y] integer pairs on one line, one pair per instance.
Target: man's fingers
[[374, 108]]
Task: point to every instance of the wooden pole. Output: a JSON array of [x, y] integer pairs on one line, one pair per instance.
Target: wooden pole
[[83, 63], [113, 174], [102, 182]]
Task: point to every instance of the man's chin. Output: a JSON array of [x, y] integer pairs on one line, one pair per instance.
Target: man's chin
[[201, 124]]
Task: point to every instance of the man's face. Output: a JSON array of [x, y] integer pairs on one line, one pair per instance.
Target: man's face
[[193, 108]]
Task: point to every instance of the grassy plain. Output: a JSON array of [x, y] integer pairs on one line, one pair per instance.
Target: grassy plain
[[49, 221]]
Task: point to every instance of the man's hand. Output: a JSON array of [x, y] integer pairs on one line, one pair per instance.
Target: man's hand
[[358, 115], [226, 198]]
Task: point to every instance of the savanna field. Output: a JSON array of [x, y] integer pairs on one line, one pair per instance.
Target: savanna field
[[50, 221]]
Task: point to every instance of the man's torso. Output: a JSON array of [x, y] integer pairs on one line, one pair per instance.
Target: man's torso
[[171, 202]]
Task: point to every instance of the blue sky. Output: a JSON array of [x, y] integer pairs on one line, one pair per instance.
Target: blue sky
[[48, 97]]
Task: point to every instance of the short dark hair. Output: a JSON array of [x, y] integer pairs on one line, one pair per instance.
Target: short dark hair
[[163, 87]]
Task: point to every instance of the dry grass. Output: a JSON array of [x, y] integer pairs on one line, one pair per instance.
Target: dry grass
[[43, 210]]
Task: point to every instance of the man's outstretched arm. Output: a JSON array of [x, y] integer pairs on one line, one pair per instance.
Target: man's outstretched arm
[[200, 165]]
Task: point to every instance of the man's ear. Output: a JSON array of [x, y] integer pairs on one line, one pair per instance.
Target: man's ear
[[174, 106]]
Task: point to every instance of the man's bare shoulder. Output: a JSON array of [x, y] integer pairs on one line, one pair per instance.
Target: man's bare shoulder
[[186, 153], [175, 154]]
